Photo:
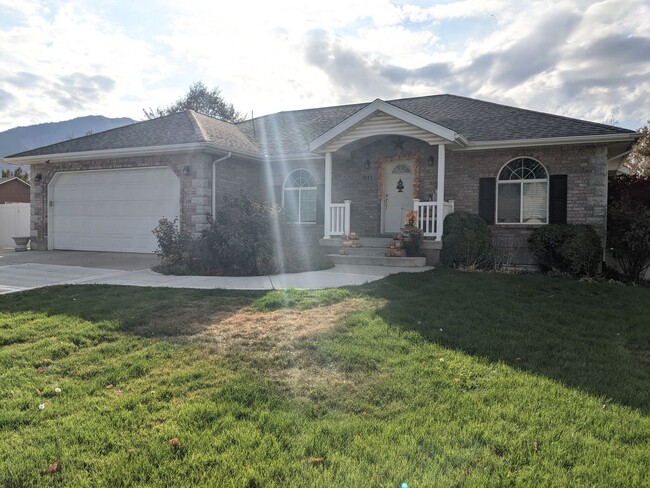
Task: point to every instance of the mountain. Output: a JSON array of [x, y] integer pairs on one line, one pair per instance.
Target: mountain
[[20, 139]]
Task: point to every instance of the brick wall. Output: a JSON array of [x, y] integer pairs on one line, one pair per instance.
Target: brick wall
[[351, 181], [195, 188], [585, 165]]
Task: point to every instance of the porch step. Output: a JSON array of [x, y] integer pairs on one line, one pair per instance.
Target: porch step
[[378, 260], [364, 241]]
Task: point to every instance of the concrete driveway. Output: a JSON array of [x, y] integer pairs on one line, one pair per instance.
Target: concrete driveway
[[35, 269]]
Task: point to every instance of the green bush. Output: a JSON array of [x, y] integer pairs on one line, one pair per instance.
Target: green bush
[[629, 227], [173, 244], [566, 248], [243, 238], [466, 242]]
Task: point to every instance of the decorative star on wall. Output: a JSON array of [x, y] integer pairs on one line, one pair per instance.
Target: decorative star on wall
[[398, 142]]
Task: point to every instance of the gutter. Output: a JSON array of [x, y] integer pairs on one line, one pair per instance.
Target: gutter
[[552, 141], [214, 180], [128, 152]]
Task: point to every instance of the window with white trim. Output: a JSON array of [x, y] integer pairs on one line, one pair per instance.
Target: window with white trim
[[522, 193], [299, 196]]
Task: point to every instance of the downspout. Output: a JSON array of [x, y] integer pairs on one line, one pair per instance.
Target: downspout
[[214, 180]]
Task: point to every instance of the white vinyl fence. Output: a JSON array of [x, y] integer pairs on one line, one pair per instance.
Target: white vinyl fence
[[14, 222]]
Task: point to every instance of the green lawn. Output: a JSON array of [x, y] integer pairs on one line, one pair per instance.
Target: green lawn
[[433, 379]]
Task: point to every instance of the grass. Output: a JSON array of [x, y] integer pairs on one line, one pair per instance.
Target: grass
[[433, 379]]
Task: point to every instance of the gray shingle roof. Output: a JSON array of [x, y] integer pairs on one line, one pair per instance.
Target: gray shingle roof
[[476, 120], [291, 132], [179, 128]]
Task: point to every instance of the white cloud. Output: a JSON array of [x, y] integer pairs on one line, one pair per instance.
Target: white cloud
[[574, 57]]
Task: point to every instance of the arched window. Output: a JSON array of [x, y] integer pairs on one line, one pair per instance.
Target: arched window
[[522, 193], [299, 196]]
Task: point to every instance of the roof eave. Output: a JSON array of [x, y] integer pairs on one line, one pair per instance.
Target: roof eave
[[552, 141], [128, 152], [14, 178]]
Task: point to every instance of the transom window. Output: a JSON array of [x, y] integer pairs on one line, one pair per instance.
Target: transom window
[[401, 168], [299, 196], [522, 193]]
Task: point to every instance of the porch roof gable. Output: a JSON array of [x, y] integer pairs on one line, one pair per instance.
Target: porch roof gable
[[429, 131]]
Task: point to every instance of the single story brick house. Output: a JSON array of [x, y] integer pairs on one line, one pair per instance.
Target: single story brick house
[[14, 190], [336, 169]]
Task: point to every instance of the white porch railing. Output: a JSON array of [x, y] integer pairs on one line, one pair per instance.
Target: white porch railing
[[427, 220], [339, 221]]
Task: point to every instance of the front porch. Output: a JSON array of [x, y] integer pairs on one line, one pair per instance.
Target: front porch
[[428, 219], [379, 164]]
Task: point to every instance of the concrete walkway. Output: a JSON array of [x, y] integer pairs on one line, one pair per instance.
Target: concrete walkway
[[18, 272]]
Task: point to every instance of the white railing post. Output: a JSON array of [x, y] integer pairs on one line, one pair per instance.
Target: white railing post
[[346, 217], [440, 210], [328, 195], [416, 208]]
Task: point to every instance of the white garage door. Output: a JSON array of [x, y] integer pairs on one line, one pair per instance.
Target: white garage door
[[111, 210]]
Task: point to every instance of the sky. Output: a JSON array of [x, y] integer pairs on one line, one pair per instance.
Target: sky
[[68, 58]]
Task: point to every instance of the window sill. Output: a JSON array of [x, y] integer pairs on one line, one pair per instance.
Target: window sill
[[519, 225]]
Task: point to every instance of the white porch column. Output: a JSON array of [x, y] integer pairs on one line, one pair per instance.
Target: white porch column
[[440, 203], [328, 194]]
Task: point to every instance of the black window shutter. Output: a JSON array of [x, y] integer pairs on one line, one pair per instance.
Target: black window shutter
[[487, 199], [320, 204], [557, 199]]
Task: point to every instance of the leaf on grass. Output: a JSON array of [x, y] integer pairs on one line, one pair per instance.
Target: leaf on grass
[[314, 461], [54, 468]]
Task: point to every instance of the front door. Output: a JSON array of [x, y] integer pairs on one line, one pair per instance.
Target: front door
[[398, 195]]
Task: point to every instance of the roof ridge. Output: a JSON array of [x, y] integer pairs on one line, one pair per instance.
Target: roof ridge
[[198, 129], [12, 178], [103, 132], [304, 110]]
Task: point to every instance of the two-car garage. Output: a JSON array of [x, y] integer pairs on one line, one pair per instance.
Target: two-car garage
[[110, 210]]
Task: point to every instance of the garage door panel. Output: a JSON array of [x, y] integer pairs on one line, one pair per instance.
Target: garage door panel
[[112, 210], [107, 209]]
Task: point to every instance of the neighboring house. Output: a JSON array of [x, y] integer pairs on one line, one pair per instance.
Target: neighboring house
[[351, 167], [14, 190]]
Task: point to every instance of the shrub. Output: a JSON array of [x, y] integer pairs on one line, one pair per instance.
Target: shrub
[[629, 223], [173, 245], [467, 242], [574, 249], [243, 238]]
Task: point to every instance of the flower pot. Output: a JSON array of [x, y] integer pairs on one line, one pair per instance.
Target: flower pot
[[412, 251], [21, 243]]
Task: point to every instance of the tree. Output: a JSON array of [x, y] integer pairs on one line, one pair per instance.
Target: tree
[[17, 173], [639, 159], [200, 99]]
